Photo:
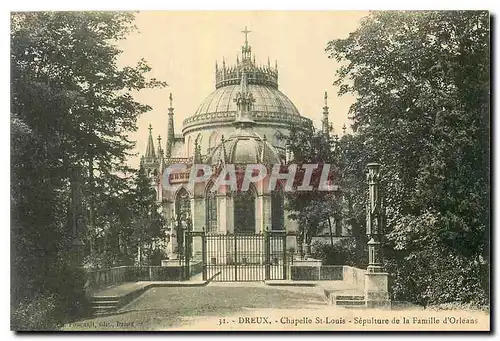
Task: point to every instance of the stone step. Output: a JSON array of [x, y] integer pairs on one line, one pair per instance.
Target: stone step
[[105, 298], [350, 297], [100, 310], [105, 303], [349, 302]]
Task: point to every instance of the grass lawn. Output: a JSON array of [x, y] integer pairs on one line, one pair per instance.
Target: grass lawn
[[160, 308]]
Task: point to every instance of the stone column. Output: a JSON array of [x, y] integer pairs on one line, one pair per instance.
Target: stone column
[[292, 227], [172, 251], [225, 213], [373, 222], [263, 217], [198, 213], [198, 223], [376, 280]]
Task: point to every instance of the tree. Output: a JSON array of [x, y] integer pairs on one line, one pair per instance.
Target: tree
[[312, 208], [71, 111], [148, 225], [421, 81]]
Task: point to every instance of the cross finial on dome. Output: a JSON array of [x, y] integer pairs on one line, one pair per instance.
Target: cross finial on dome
[[246, 31]]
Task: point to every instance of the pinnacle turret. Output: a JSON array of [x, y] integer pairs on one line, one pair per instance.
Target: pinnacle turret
[[160, 150], [150, 147], [244, 100], [170, 132]]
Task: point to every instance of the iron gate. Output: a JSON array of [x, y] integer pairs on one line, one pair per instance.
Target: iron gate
[[242, 257]]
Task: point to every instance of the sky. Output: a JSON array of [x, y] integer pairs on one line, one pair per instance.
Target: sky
[[182, 48]]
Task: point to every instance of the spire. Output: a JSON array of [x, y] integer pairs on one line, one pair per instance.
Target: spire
[[170, 132], [244, 101], [263, 153], [268, 62], [150, 148], [325, 123], [197, 152], [160, 151], [224, 153], [246, 50]]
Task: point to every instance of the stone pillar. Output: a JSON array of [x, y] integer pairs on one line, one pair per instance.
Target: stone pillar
[[172, 252], [263, 217], [373, 219], [376, 280], [198, 209], [199, 221], [225, 213], [292, 227]]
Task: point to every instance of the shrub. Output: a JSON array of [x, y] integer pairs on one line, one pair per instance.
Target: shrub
[[61, 302], [342, 252]]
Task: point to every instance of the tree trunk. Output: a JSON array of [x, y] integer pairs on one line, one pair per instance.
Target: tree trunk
[[308, 239], [331, 232], [90, 197], [300, 249]]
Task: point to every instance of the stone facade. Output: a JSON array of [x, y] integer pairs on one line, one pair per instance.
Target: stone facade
[[213, 136]]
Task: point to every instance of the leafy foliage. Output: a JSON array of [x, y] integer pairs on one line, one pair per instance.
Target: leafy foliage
[[312, 208], [71, 110], [342, 252], [421, 81]]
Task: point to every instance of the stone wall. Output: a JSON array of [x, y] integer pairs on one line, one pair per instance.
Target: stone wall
[[104, 278], [354, 275], [317, 272]]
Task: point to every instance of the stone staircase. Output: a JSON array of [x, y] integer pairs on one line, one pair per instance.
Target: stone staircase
[[102, 305], [345, 300]]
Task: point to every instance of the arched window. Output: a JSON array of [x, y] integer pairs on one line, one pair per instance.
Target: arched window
[[244, 211], [183, 209], [184, 222], [211, 209], [277, 210]]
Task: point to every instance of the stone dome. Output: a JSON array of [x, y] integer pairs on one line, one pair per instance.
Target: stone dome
[[267, 99], [270, 108], [244, 147]]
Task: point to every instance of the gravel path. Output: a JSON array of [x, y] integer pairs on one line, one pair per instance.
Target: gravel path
[[163, 308]]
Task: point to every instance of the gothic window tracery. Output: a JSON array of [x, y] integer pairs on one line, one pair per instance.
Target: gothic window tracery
[[211, 210], [244, 211], [183, 208]]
